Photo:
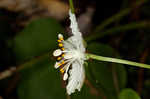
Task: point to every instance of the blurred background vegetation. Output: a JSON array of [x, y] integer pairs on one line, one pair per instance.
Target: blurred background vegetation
[[28, 34]]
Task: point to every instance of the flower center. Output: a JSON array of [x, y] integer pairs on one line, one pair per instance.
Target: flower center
[[65, 56], [77, 54]]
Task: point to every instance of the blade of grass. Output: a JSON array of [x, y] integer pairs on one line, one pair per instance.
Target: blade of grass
[[96, 33], [131, 26]]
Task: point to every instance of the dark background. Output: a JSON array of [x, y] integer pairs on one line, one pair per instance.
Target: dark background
[[132, 44]]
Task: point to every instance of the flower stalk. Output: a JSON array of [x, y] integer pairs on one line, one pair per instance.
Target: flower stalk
[[115, 60], [71, 6]]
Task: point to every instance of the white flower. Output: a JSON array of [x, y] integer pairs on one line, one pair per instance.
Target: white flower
[[71, 56]]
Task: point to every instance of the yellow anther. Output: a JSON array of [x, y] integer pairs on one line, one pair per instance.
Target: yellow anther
[[59, 64], [59, 41], [59, 58], [61, 70], [63, 62], [63, 55], [62, 49], [60, 45]]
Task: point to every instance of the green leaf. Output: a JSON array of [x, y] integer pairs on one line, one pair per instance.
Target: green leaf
[[41, 81], [109, 77], [128, 94], [37, 38]]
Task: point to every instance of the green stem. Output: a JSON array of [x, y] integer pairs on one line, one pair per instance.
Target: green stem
[[117, 16], [114, 30], [71, 6], [115, 60], [31, 62], [25, 65], [112, 19]]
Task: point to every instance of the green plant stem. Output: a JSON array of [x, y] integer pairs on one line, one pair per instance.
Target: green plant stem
[[97, 32], [31, 62], [71, 6], [117, 16], [108, 21], [114, 30], [115, 60], [23, 66]]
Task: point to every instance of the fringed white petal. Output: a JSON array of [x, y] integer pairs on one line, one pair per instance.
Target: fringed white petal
[[77, 76], [74, 24]]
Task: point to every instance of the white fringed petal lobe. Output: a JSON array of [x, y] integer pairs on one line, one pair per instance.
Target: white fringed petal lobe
[[76, 79]]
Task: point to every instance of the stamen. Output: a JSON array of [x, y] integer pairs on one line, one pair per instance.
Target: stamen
[[60, 45], [60, 36], [57, 52], [59, 41], [63, 55], [66, 67], [63, 62], [62, 48], [61, 70], [57, 65], [65, 76], [59, 58]]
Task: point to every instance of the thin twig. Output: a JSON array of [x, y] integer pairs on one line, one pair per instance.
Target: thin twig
[[1, 97], [115, 79], [7, 73], [118, 16], [118, 29], [141, 72], [93, 90], [12, 70]]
